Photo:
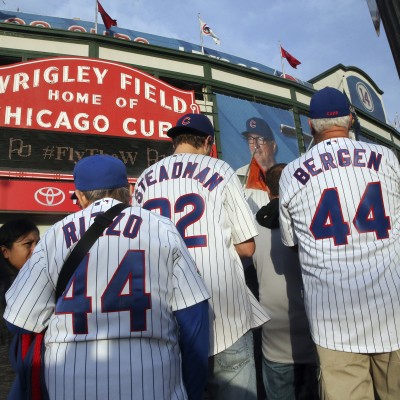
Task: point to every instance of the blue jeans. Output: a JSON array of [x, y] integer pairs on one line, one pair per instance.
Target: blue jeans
[[232, 373], [290, 381]]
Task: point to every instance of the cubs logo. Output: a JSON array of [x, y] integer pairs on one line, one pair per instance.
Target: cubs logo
[[253, 124], [365, 96], [186, 121], [49, 196]]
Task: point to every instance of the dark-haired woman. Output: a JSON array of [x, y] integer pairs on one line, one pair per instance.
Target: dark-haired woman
[[18, 238]]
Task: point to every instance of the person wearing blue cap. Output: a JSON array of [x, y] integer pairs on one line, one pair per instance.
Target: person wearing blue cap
[[262, 146], [340, 206], [132, 321], [204, 198]]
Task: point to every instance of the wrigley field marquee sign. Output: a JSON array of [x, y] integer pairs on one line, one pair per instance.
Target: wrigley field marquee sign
[[89, 96], [55, 111]]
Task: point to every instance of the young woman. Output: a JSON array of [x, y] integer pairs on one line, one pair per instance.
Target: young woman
[[18, 238]]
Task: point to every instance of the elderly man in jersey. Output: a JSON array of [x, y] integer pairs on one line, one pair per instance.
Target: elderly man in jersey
[[203, 197], [340, 203], [133, 319]]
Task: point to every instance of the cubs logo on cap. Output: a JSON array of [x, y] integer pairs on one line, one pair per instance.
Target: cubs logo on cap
[[194, 124]]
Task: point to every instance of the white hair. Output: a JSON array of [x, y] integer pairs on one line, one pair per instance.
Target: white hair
[[323, 124]]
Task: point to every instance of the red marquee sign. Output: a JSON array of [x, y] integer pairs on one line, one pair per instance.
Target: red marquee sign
[[89, 96]]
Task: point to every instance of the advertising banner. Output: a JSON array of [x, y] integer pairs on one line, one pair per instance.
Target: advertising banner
[[239, 119], [253, 138], [37, 196]]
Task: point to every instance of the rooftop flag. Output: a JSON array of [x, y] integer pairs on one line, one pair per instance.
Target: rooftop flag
[[206, 30], [107, 20], [293, 62]]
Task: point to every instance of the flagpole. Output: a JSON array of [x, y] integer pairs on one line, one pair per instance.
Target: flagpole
[[95, 19], [201, 34], [283, 65]]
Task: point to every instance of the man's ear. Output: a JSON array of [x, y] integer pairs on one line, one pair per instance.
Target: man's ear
[[82, 200], [351, 120], [311, 127]]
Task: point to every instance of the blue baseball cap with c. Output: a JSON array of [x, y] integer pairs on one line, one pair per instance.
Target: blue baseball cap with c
[[195, 124], [329, 103], [258, 126], [100, 171]]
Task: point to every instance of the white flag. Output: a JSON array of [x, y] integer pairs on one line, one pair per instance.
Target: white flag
[[206, 30]]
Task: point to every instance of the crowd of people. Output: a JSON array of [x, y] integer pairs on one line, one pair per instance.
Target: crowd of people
[[159, 307]]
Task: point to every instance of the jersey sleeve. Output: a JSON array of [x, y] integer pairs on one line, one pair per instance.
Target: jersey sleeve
[[238, 212], [189, 288], [30, 299], [285, 221]]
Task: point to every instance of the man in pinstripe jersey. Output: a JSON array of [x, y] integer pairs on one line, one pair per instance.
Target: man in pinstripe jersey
[[203, 197], [132, 322], [340, 203]]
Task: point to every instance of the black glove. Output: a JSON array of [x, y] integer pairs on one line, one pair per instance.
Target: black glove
[[268, 216]]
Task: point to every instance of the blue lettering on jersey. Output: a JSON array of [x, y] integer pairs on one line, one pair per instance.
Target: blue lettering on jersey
[[181, 171], [163, 174], [213, 181], [202, 174], [176, 170], [69, 234], [344, 159], [129, 230]]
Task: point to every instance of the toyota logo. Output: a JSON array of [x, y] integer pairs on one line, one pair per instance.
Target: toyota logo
[[49, 196]]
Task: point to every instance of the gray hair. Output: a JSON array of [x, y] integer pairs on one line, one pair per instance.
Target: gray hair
[[323, 124], [122, 194]]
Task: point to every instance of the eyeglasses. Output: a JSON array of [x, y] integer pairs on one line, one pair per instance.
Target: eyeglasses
[[256, 140]]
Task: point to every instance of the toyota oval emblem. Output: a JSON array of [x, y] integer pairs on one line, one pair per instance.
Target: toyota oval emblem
[[49, 196]]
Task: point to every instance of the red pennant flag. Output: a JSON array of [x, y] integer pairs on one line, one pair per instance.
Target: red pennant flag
[[255, 178], [107, 20], [293, 62]]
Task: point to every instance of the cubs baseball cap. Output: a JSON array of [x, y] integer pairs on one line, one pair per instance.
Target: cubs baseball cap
[[329, 103], [195, 124], [100, 171], [259, 127]]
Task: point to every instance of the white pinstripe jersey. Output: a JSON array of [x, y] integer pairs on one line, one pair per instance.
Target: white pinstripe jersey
[[112, 334], [342, 201], [203, 197]]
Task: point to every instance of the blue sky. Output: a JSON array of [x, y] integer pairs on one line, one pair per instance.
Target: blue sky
[[319, 33]]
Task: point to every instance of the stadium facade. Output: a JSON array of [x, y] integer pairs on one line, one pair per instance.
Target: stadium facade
[[67, 92]]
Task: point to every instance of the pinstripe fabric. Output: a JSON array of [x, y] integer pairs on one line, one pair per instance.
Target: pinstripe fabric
[[225, 220], [110, 361], [351, 276]]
